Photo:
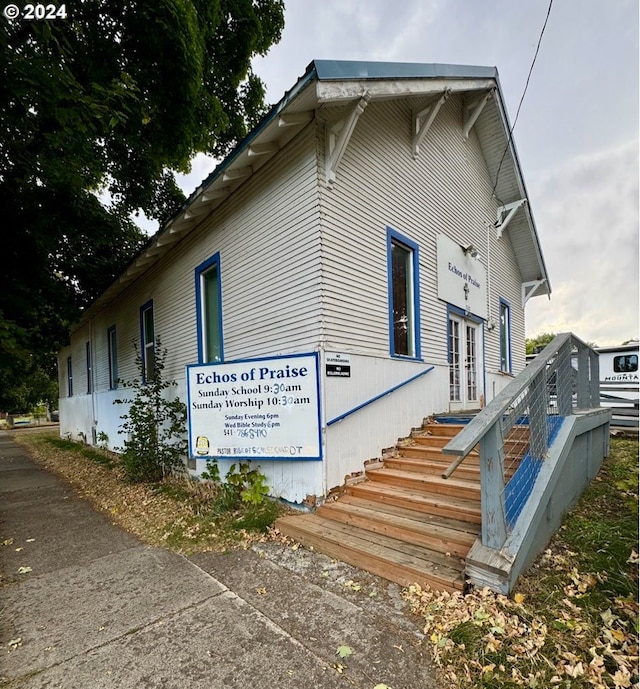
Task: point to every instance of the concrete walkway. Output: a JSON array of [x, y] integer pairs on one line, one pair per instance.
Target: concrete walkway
[[99, 609]]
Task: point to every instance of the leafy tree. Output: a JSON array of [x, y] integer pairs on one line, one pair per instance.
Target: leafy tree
[[108, 102], [538, 343]]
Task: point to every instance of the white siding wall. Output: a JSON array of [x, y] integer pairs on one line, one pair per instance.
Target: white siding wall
[[268, 238], [445, 190]]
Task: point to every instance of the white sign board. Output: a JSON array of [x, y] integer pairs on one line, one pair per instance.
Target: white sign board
[[462, 279], [255, 409]]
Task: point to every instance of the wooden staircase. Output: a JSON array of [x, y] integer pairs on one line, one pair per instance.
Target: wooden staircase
[[404, 522]]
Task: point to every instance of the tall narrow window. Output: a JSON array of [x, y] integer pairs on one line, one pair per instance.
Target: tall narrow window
[[87, 349], [404, 309], [112, 347], [147, 338], [69, 378], [505, 337], [209, 310]]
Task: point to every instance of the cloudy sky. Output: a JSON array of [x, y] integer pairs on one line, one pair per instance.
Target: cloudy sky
[[576, 135]]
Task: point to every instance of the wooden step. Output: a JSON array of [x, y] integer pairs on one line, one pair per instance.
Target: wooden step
[[376, 553], [431, 440], [467, 470], [436, 533], [455, 487], [448, 429], [440, 505], [418, 451]]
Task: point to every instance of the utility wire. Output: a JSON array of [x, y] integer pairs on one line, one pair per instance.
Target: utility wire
[[526, 86]]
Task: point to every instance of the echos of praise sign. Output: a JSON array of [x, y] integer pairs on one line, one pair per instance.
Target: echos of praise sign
[[255, 409]]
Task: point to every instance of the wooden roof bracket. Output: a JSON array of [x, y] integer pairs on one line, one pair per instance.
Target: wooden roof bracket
[[504, 215], [529, 288], [475, 109], [338, 136], [424, 119]]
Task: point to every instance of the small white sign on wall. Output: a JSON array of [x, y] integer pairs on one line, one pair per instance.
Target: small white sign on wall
[[255, 409], [462, 278]]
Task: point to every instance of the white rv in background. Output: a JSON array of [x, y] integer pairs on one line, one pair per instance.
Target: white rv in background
[[619, 382]]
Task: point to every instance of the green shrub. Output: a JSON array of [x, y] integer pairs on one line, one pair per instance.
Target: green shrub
[[156, 425]]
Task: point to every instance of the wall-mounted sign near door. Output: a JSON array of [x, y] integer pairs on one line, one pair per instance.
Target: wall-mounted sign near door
[[337, 365]]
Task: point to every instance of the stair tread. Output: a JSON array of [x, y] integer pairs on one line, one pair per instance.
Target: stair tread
[[410, 527], [429, 464], [415, 496], [375, 552], [426, 478], [405, 513]]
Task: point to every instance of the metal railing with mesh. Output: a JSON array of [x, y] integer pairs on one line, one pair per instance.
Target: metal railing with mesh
[[516, 429]]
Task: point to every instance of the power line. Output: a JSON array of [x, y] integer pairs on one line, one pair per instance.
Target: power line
[[526, 86]]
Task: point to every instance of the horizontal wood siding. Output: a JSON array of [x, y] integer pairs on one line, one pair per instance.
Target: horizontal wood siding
[[267, 234], [447, 189]]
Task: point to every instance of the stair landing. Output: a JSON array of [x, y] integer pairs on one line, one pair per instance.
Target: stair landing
[[404, 522]]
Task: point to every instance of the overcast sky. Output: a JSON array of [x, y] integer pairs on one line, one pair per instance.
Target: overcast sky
[[576, 136]]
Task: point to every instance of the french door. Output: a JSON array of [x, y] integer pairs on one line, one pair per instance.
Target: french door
[[465, 358]]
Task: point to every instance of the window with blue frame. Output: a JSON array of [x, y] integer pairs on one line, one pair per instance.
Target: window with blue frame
[[404, 295], [209, 310], [112, 350], [147, 341], [505, 336]]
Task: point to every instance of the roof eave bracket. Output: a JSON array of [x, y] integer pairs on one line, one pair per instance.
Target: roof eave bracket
[[338, 136], [504, 215], [424, 119], [529, 288], [475, 112]]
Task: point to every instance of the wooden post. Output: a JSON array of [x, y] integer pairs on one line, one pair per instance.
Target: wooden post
[[494, 531]]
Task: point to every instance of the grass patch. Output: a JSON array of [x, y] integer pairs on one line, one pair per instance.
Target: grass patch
[[102, 457], [178, 513], [572, 621]]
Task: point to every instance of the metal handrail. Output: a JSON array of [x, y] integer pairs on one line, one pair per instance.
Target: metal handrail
[[473, 432], [380, 396]]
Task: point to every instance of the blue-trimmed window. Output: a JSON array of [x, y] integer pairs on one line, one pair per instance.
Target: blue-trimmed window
[[147, 341], [209, 310], [505, 336], [404, 295], [112, 349], [89, 364], [69, 377]]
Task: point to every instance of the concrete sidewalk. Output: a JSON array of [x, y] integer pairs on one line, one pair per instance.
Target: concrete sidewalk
[[99, 609]]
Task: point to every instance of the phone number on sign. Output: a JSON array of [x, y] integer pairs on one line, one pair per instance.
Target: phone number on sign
[[35, 11]]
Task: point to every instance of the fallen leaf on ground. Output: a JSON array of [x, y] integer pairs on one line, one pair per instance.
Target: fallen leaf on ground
[[344, 651]]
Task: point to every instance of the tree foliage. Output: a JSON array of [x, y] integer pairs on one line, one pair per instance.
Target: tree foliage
[[538, 343], [108, 103]]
